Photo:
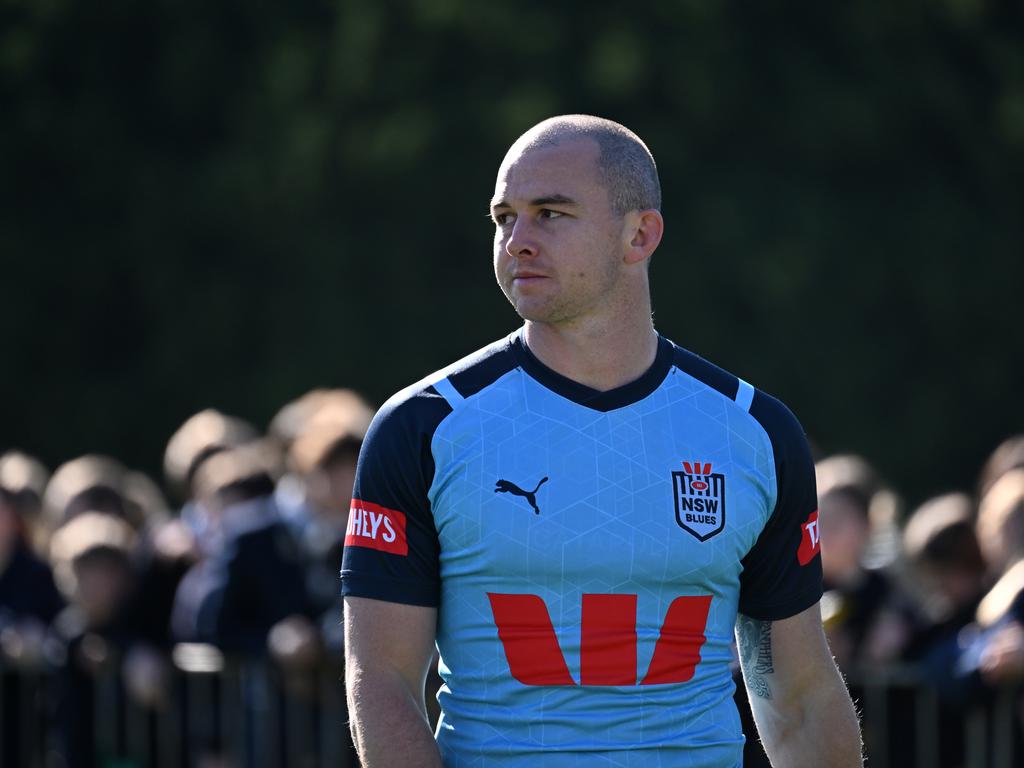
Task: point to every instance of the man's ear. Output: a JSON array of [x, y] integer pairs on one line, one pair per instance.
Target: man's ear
[[644, 230]]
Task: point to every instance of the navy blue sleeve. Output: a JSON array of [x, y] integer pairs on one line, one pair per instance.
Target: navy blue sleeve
[[782, 572], [391, 544]]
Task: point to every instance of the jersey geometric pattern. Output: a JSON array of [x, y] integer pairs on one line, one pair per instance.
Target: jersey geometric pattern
[[577, 544]]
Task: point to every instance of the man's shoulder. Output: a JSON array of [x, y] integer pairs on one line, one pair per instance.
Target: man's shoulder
[[706, 372], [771, 413], [421, 406]]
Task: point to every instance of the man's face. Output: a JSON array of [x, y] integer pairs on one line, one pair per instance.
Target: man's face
[[558, 246]]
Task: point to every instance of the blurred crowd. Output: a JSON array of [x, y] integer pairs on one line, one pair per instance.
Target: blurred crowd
[[99, 567]]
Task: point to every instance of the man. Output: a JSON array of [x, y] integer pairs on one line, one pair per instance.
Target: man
[[579, 515]]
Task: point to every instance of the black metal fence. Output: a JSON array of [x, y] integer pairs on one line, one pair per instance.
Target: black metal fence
[[215, 712], [219, 712], [907, 721]]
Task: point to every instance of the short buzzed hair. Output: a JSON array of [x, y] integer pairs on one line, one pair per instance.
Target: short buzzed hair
[[625, 163]]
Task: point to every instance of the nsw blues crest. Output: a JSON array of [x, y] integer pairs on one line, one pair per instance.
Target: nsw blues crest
[[700, 499]]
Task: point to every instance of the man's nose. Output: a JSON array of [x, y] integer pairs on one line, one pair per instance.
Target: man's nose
[[521, 243]]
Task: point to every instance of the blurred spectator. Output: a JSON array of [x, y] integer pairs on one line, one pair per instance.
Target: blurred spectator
[[163, 550], [250, 576], [946, 564], [92, 555], [883, 504], [1001, 612], [323, 452], [29, 600], [94, 483], [102, 484], [202, 436], [866, 619], [1008, 455], [93, 562], [142, 494], [965, 662], [294, 418], [102, 489], [323, 411], [247, 594], [23, 480]]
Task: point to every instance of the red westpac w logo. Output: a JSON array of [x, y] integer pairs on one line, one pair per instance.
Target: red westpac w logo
[[607, 640], [700, 499]]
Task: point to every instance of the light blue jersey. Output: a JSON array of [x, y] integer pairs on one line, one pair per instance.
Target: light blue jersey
[[587, 551]]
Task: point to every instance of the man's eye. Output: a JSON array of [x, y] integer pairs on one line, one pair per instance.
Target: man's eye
[[547, 213], [501, 219]]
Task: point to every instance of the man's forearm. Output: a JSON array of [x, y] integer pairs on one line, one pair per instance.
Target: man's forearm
[[803, 711], [820, 730], [389, 723]]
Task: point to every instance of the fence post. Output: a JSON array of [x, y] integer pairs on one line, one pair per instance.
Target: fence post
[[105, 712], [1002, 728], [975, 736], [876, 716], [926, 726]]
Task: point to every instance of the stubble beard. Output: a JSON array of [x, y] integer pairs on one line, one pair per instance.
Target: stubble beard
[[566, 306]]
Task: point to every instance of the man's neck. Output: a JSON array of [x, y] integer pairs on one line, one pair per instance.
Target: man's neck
[[599, 356]]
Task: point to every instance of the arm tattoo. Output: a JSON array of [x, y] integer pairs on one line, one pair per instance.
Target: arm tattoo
[[755, 639]]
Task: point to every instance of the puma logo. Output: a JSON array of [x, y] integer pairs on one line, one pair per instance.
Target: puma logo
[[505, 486]]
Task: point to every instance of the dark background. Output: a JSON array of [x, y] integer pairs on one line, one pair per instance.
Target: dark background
[[228, 203]]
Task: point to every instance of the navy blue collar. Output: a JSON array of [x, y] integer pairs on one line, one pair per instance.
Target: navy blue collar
[[588, 397]]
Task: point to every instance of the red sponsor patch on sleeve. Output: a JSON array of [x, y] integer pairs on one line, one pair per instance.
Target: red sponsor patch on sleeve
[[375, 527], [810, 542]]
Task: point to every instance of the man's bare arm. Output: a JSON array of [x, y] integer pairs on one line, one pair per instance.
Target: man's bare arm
[[388, 650], [800, 703]]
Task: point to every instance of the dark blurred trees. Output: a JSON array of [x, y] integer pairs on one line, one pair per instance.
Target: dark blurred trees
[[227, 203]]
